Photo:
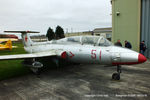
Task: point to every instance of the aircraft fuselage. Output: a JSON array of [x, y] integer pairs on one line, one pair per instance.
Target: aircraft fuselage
[[110, 55]]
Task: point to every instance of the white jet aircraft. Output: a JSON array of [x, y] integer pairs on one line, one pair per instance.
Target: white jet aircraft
[[77, 49]]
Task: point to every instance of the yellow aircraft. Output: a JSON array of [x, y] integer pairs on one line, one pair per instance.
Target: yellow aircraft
[[8, 45], [6, 39]]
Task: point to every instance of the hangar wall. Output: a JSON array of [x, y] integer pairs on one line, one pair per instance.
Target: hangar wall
[[145, 25], [126, 21]]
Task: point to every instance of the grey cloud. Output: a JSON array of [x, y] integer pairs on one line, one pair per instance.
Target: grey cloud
[[81, 15]]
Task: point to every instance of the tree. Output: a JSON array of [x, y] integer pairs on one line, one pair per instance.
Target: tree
[[59, 32], [50, 34]]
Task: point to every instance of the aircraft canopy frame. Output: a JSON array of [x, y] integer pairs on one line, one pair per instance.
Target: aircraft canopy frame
[[84, 40]]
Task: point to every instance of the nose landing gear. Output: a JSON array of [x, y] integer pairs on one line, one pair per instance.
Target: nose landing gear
[[116, 76]]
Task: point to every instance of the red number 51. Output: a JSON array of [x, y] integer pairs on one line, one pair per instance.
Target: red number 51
[[93, 54]]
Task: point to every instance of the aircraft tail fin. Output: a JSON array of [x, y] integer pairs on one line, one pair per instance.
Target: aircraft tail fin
[[8, 44], [25, 37]]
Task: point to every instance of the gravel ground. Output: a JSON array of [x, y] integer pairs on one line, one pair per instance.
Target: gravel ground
[[80, 82]]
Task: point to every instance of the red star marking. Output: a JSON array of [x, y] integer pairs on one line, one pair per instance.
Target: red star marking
[[71, 54], [64, 55], [26, 38]]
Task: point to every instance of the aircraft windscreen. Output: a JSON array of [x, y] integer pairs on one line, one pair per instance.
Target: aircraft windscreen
[[104, 42]]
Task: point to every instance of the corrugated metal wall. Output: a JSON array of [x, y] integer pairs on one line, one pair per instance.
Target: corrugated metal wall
[[145, 25]]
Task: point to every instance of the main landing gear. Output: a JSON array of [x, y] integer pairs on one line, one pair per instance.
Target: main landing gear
[[34, 65], [116, 76]]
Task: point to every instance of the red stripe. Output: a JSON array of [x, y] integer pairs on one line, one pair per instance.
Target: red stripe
[[100, 55], [71, 54], [26, 38]]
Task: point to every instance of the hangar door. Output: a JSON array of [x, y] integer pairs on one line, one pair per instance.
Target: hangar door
[[145, 25]]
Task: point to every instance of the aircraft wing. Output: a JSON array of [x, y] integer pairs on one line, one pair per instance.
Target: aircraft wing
[[32, 55], [6, 39]]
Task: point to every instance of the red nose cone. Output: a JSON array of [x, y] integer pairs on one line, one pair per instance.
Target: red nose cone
[[141, 58]]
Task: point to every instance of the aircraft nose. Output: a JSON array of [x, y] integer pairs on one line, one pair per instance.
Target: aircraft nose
[[141, 58]]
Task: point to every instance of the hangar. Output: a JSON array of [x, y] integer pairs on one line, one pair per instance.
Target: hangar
[[131, 21], [106, 32]]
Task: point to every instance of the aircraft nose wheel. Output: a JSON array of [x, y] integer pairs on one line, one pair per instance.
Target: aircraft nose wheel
[[116, 76], [36, 71]]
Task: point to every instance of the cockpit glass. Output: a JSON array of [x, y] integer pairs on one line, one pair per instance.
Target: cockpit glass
[[104, 42], [74, 39], [90, 40]]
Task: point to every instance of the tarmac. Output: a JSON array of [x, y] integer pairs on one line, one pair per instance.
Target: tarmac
[[80, 82]]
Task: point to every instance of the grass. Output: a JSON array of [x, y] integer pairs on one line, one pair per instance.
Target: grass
[[18, 50], [12, 68]]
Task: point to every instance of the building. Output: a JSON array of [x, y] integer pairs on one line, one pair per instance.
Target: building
[[131, 22], [106, 32], [78, 33]]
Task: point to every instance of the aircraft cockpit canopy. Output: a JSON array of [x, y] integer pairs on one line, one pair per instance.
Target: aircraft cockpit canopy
[[86, 40], [95, 40], [74, 39], [104, 42]]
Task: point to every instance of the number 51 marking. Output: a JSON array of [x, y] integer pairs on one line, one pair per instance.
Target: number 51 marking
[[93, 54]]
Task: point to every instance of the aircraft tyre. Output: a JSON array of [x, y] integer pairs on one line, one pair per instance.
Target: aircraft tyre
[[116, 76], [35, 71]]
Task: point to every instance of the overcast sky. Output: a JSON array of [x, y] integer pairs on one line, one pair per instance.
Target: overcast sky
[[80, 15]]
